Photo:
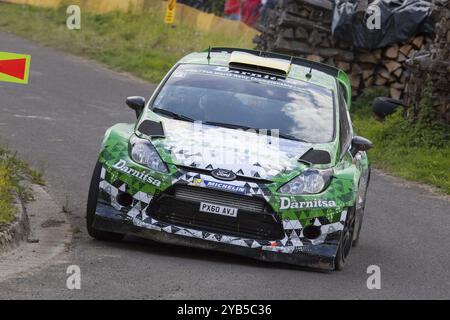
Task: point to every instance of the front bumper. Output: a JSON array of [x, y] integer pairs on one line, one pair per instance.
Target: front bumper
[[315, 256], [138, 218]]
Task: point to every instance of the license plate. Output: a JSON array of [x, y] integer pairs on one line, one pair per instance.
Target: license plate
[[216, 209]]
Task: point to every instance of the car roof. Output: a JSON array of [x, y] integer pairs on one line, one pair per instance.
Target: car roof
[[321, 75]]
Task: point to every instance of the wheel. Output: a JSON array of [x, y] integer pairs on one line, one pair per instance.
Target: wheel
[[358, 227], [359, 218], [91, 207], [360, 215], [345, 244], [383, 106]]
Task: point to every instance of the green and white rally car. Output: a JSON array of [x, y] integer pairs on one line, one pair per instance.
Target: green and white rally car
[[239, 151]]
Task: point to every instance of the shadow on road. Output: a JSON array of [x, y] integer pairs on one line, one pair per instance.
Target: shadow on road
[[146, 246]]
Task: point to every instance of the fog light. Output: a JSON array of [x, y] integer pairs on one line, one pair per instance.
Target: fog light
[[124, 199], [312, 232]]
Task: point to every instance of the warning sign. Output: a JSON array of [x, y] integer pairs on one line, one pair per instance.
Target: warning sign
[[14, 67], [170, 11]]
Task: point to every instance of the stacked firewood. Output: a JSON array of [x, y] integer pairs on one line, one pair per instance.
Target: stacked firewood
[[303, 28], [432, 68]]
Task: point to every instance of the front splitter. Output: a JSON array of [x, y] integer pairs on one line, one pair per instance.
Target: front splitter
[[112, 220]]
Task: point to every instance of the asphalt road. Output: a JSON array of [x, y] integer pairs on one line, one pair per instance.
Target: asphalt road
[[57, 123]]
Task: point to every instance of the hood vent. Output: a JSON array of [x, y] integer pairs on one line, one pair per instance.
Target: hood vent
[[316, 157], [151, 128]]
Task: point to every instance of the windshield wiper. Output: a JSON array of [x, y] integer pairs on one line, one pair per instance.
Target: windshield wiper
[[290, 137], [172, 114], [228, 125]]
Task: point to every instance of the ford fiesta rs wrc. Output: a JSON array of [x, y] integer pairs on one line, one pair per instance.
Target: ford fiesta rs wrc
[[240, 151]]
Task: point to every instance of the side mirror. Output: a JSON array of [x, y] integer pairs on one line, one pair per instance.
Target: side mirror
[[360, 144], [137, 104]]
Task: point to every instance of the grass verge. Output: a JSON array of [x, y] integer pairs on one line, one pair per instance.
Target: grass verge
[[140, 44], [418, 151], [12, 172]]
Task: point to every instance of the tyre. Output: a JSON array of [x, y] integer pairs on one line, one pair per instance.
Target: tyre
[[358, 227], [91, 207], [383, 106], [345, 244], [359, 222]]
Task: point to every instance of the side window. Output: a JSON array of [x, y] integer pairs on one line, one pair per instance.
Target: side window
[[344, 124]]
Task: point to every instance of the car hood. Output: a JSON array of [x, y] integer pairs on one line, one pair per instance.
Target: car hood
[[246, 153]]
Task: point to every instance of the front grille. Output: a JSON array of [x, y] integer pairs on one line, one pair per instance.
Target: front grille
[[255, 219], [220, 197], [208, 173]]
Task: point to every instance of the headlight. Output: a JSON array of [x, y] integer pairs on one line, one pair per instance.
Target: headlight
[[143, 152], [309, 182]]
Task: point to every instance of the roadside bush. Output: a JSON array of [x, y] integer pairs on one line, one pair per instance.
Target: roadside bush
[[413, 149], [7, 189], [12, 172]]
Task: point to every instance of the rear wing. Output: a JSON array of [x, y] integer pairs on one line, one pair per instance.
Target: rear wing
[[293, 60], [244, 60]]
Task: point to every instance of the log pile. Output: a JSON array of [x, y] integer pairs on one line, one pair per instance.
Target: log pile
[[303, 28], [432, 67]]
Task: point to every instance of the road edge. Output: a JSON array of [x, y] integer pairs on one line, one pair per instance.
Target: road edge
[[13, 233], [433, 191], [49, 236]]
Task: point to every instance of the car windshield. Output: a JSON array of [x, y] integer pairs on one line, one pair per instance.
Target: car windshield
[[216, 94]]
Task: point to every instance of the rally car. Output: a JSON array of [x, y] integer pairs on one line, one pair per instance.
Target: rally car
[[241, 151]]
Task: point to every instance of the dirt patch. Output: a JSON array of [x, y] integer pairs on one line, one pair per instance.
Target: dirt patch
[[52, 223]]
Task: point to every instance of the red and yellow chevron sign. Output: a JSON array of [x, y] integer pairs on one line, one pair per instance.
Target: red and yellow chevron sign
[[14, 67]]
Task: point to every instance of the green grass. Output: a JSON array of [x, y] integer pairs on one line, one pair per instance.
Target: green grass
[[7, 189], [418, 151], [12, 172], [140, 44]]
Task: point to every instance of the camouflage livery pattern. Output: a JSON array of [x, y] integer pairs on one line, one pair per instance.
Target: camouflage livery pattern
[[330, 220], [245, 153], [191, 153]]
